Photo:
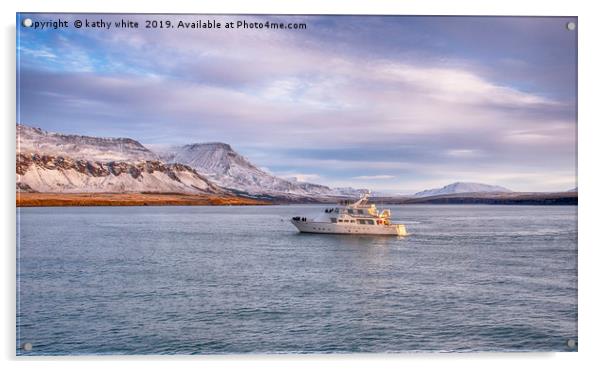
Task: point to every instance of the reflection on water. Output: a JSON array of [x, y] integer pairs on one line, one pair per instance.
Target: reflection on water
[[361, 240]]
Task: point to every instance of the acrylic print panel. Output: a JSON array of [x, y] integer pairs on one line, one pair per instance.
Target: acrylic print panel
[[226, 184]]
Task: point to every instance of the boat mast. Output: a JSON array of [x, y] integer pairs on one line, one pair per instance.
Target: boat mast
[[362, 201]]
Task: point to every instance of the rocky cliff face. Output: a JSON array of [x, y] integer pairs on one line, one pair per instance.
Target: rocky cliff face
[[47, 173]]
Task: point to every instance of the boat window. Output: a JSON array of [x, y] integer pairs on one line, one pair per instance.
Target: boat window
[[350, 211], [340, 221], [352, 221], [346, 220], [361, 221], [369, 221], [333, 220], [360, 211]]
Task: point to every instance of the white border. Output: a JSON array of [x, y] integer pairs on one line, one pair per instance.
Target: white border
[[589, 180]]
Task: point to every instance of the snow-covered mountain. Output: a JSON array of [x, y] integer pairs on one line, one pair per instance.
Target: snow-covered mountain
[[351, 192], [45, 173], [224, 166], [54, 162], [36, 141], [461, 187]]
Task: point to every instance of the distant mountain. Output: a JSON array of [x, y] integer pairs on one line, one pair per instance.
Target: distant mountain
[[34, 140], [224, 166], [461, 187], [494, 198], [350, 191]]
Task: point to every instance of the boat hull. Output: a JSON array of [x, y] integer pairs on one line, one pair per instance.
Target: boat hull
[[349, 228]]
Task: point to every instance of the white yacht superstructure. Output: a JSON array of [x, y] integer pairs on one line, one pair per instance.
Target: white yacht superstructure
[[359, 217]]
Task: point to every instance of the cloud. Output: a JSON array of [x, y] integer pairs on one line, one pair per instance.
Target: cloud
[[331, 101], [462, 153], [459, 86], [375, 177], [40, 53]]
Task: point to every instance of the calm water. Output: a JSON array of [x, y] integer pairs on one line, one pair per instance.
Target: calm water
[[203, 280]]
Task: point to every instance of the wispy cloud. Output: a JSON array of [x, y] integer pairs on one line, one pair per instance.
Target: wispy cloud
[[462, 153], [375, 177], [40, 53]]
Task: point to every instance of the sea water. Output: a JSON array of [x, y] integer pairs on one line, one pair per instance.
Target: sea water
[[215, 280]]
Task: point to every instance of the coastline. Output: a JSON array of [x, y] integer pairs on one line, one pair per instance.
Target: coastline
[[38, 199], [512, 198], [48, 199]]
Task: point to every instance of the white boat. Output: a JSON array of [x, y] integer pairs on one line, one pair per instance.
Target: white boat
[[359, 217]]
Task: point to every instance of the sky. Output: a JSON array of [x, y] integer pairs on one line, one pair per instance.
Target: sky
[[392, 103]]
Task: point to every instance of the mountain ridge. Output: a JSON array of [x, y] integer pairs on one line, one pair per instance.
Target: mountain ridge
[[37, 140], [56, 162], [226, 167], [461, 187]]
